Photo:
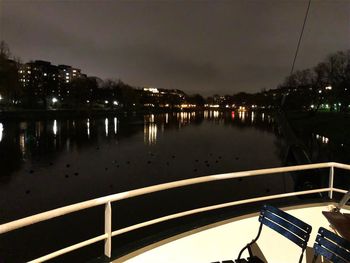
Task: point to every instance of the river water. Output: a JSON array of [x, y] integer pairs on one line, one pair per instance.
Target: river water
[[49, 163]]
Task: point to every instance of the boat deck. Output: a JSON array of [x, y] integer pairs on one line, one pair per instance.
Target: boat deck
[[224, 240]]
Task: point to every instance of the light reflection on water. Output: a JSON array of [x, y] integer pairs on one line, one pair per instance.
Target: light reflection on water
[[241, 115], [115, 125], [152, 123], [1, 131], [36, 138], [106, 127], [88, 128], [54, 127], [150, 133]]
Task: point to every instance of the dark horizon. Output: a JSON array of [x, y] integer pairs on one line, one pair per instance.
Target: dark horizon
[[198, 47]]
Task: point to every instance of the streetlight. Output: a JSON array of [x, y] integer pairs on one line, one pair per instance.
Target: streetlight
[[54, 100]]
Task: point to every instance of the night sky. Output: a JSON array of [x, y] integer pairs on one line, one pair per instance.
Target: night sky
[[202, 47]]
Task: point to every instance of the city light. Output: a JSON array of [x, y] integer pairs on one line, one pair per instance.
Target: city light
[[0, 97], [54, 100], [188, 105], [115, 103], [328, 88], [106, 101], [212, 105], [153, 90]]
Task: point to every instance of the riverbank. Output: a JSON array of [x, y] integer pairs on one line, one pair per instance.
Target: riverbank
[[335, 126], [24, 114], [39, 114]]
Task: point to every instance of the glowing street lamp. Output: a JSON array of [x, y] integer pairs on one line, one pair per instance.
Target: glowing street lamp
[[328, 88], [54, 100]]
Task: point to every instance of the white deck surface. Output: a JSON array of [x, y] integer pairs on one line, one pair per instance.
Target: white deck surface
[[223, 241]]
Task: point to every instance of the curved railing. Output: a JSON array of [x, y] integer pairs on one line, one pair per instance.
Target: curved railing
[[107, 200]]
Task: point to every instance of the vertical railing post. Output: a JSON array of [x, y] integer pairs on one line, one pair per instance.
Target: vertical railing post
[[108, 229], [331, 180]]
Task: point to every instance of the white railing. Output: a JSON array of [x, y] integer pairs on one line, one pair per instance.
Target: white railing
[[107, 200]]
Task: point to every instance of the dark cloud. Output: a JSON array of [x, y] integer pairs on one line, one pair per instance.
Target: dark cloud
[[198, 46]]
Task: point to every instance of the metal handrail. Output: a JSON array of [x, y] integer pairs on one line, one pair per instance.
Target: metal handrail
[[107, 200]]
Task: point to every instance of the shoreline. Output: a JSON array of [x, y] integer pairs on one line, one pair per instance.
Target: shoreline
[[83, 113]]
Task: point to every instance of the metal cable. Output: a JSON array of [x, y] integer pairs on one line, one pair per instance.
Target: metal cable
[[300, 37]]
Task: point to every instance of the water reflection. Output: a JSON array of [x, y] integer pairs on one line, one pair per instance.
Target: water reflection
[[38, 129], [32, 139], [323, 139], [1, 131], [54, 127], [106, 127], [149, 118], [115, 125], [22, 144], [241, 115], [88, 128], [150, 133]]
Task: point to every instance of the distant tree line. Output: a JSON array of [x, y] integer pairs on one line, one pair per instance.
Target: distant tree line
[[38, 84], [323, 87]]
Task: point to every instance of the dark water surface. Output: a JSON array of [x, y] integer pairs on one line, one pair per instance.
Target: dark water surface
[[46, 164]]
